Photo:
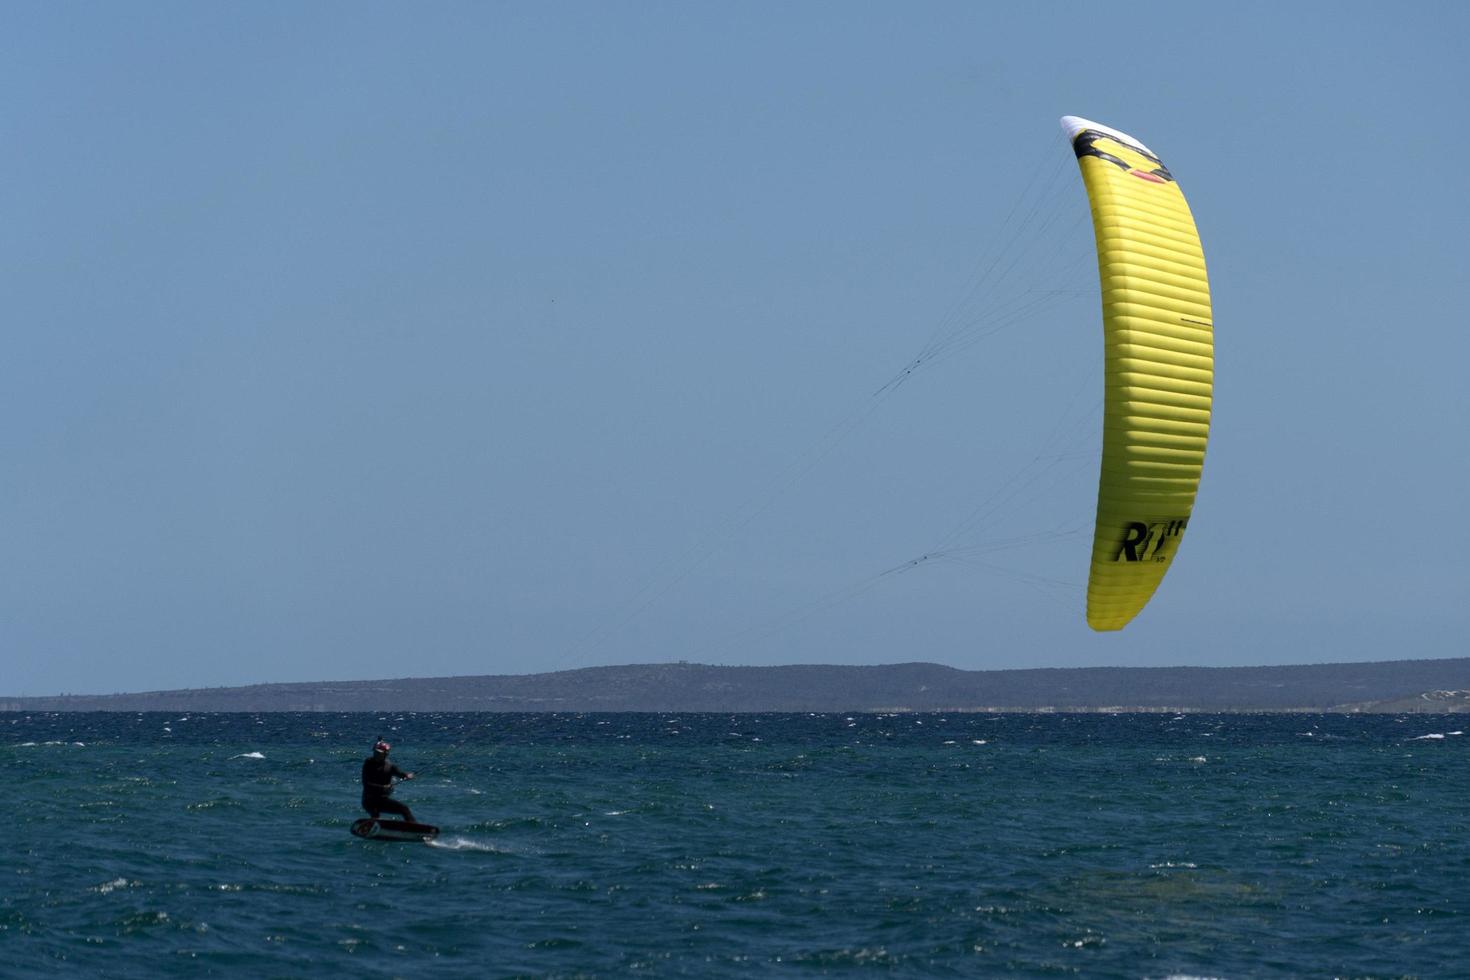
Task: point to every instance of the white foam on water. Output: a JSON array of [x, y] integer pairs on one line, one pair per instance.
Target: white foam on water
[[108, 887], [248, 755], [1433, 735], [465, 844]]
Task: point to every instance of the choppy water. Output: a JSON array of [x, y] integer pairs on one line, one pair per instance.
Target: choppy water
[[963, 845]]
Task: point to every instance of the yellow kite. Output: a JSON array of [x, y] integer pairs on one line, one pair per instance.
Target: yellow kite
[[1158, 371]]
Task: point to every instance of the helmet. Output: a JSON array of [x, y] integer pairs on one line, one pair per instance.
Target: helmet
[[382, 747]]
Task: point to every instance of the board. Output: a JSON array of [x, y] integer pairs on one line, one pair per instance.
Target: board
[[393, 830]]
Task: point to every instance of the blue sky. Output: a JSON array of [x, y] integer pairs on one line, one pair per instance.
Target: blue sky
[[373, 340]]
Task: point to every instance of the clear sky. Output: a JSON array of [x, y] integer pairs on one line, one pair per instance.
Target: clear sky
[[376, 339]]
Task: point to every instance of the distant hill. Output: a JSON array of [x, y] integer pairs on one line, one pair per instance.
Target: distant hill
[[1403, 685]]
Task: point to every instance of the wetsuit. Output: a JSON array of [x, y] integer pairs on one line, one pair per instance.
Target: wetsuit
[[377, 788]]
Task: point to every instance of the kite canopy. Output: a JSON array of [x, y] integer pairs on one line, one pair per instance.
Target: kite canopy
[[1158, 370]]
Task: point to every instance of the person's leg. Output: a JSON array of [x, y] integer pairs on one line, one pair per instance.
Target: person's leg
[[393, 806]]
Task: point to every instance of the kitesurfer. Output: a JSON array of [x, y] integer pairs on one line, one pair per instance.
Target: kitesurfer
[[378, 775]]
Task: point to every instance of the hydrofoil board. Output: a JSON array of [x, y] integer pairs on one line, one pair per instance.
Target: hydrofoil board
[[393, 830]]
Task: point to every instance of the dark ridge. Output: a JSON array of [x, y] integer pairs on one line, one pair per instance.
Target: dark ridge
[[1402, 685]]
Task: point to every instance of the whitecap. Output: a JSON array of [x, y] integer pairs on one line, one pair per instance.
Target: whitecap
[[464, 844], [1198, 758], [979, 741], [108, 887], [248, 755]]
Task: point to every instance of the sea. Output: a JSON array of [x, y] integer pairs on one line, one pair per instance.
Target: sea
[[715, 845]]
